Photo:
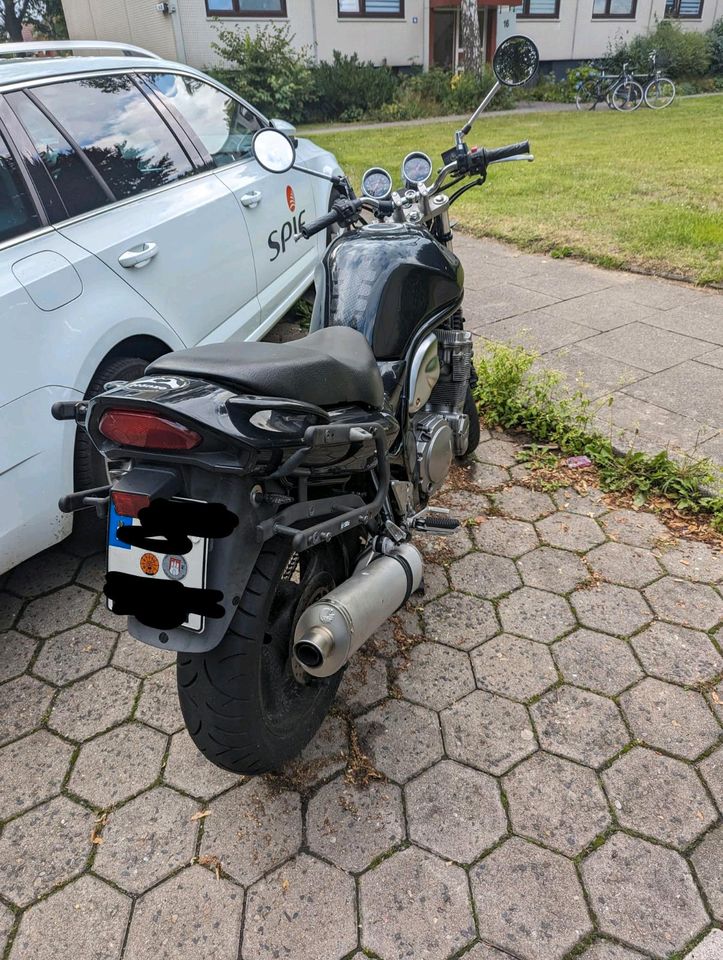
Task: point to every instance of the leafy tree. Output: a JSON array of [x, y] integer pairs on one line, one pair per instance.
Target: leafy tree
[[471, 40], [44, 16]]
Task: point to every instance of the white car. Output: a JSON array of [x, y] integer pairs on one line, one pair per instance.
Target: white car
[[133, 221]]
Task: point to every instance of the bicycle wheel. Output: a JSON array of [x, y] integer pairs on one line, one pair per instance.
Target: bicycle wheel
[[587, 95], [659, 93], [627, 96]]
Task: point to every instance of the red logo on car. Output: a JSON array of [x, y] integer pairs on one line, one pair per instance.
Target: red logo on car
[[290, 199]]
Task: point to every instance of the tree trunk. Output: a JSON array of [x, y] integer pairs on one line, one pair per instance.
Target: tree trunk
[[471, 41]]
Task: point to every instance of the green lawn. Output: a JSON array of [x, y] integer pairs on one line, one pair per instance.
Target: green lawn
[[644, 189]]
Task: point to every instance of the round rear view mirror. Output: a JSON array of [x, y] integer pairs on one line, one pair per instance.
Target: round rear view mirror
[[515, 61], [273, 150]]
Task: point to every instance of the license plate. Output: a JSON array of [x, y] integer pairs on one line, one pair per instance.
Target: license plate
[[188, 568]]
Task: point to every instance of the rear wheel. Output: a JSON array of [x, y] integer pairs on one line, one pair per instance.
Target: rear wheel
[[587, 95], [627, 96], [659, 93], [247, 704]]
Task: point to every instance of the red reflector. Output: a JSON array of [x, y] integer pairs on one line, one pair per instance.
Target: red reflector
[[130, 428], [129, 504]]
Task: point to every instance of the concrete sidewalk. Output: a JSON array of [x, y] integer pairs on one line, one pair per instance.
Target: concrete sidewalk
[[655, 346]]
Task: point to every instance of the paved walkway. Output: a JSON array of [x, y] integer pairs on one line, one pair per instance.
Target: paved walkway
[[543, 769], [656, 346]]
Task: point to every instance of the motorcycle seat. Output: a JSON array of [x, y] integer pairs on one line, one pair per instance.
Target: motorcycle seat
[[328, 368]]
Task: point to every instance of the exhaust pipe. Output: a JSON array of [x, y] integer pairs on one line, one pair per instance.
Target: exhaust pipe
[[331, 630]]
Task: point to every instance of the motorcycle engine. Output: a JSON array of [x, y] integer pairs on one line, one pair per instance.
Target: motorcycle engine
[[441, 428]]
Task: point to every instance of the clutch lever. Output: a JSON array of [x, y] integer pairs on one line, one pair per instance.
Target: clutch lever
[[523, 156]]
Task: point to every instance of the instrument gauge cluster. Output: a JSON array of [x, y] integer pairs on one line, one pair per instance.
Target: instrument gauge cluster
[[416, 168], [377, 184]]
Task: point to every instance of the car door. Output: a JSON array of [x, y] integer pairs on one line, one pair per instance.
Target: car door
[[274, 206], [137, 199]]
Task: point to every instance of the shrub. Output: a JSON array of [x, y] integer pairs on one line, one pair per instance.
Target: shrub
[[682, 54], [267, 70], [349, 86], [715, 37]]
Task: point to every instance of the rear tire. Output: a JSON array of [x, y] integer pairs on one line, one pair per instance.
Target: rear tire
[[627, 96], [659, 93], [587, 95], [247, 706]]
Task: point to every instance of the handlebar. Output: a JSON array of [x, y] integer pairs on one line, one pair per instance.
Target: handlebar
[[321, 223], [504, 153]]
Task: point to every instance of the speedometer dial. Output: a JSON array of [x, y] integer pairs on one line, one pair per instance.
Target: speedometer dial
[[416, 168], [376, 183]]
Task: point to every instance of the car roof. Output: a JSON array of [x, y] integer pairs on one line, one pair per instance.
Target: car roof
[[26, 69]]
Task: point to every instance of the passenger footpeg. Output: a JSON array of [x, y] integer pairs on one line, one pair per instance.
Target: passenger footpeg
[[436, 524]]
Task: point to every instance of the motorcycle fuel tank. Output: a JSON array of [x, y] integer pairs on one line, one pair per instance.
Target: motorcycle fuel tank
[[385, 280]]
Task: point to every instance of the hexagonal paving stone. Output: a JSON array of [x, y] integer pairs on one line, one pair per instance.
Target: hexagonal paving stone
[[140, 658], [158, 705], [31, 770], [523, 503], [118, 764], [85, 919], [604, 950], [252, 829], [637, 529], [623, 564], [57, 611], [691, 604], [594, 660], [305, 905], [352, 826], [487, 732], [611, 609], [92, 572], [147, 839], [455, 811], [16, 652], [500, 452], [189, 916], [643, 894], [693, 560], [709, 948], [487, 477], [7, 918], [715, 695], [712, 770], [74, 653], [434, 675], [515, 668], [43, 848], [447, 547], [364, 683], [190, 771], [404, 625], [322, 757], [707, 862], [463, 503], [415, 905], [659, 797], [529, 901], [678, 654], [558, 571], [672, 719], [9, 609], [483, 575], [434, 582], [536, 614], [579, 725], [556, 802], [23, 703], [401, 738], [589, 504], [45, 572], [507, 538], [460, 621], [90, 706], [570, 531]]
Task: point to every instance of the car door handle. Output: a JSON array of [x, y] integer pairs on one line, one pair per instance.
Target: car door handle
[[251, 199], [138, 256]]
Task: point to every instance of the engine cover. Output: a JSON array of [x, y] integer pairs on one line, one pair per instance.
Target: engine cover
[[435, 451]]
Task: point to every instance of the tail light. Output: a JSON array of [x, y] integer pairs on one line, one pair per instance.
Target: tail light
[[132, 428]]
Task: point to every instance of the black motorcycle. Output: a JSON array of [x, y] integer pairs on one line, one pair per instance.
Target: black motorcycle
[[261, 523]]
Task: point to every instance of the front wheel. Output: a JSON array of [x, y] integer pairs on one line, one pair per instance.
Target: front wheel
[[627, 96], [659, 93], [247, 704], [587, 95]]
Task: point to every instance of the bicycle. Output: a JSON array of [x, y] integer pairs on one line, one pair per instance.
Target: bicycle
[[620, 92], [659, 91]]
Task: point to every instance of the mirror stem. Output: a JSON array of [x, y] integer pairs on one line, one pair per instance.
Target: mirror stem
[[483, 106], [315, 173]]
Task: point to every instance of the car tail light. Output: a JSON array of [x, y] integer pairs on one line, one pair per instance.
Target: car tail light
[[129, 504], [131, 428]]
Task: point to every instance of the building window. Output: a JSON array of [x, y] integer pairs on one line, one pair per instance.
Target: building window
[[539, 9], [614, 8], [246, 8], [371, 8], [684, 9], [17, 213]]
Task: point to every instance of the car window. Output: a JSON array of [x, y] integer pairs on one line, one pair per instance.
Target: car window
[[77, 186], [224, 126], [17, 212], [119, 131]]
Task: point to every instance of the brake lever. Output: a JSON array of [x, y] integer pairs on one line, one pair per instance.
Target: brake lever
[[523, 156]]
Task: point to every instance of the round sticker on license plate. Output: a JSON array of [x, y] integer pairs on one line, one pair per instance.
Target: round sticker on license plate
[[175, 568]]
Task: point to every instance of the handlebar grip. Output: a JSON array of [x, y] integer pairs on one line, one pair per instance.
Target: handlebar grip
[[511, 150], [321, 223]]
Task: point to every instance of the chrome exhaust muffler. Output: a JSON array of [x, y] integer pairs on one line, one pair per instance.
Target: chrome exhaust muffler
[[331, 630]]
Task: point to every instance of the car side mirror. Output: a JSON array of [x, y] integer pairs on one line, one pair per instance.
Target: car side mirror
[[273, 150]]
